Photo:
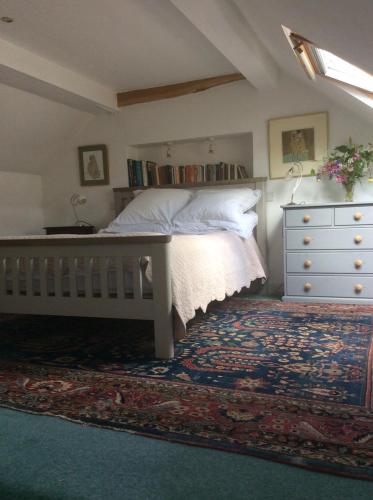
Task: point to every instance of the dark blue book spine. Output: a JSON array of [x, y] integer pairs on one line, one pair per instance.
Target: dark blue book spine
[[138, 173], [130, 173]]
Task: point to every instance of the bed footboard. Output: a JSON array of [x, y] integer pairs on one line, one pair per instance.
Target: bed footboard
[[90, 275]]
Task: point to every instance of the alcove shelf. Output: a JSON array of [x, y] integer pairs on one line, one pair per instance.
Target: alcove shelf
[[250, 180], [231, 149]]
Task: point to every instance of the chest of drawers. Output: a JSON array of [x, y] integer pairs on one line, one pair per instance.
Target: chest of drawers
[[328, 253]]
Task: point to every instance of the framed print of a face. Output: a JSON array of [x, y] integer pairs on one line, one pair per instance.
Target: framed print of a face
[[93, 165], [292, 139]]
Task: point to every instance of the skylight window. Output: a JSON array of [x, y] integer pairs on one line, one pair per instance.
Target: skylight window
[[341, 70], [317, 61]]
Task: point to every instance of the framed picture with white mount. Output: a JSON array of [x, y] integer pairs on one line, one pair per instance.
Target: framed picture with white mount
[[297, 139], [93, 165]]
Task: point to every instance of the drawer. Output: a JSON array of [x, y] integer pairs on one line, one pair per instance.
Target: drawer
[[330, 262], [329, 239], [308, 217], [360, 287], [356, 215]]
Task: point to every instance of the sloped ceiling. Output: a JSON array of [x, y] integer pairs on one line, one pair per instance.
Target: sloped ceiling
[[343, 27], [33, 130], [125, 44], [128, 44]]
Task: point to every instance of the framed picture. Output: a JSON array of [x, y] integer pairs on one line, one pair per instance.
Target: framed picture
[[302, 138], [93, 165]]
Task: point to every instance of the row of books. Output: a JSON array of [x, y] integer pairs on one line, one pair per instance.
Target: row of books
[[148, 173]]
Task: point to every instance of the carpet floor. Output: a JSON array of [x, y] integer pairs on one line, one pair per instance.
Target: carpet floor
[[287, 382], [45, 458]]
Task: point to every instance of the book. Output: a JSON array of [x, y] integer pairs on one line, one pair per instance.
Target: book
[[148, 173]]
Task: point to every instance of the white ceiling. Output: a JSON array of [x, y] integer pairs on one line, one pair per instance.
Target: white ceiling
[[129, 44], [124, 44]]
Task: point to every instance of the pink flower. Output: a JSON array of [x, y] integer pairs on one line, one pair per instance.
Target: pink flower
[[341, 178]]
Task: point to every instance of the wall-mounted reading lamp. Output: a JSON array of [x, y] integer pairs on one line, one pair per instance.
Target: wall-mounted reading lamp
[[75, 201]]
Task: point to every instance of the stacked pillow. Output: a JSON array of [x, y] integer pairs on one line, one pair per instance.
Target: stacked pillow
[[180, 211], [151, 211]]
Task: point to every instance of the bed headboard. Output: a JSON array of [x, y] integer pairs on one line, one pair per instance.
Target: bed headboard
[[123, 195]]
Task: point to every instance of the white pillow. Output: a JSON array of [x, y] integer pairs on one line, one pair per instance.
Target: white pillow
[[152, 210], [243, 226], [214, 209]]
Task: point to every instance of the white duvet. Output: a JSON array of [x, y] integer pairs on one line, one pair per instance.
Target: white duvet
[[210, 267]]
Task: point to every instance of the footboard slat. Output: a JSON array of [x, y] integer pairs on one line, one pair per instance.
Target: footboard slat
[[137, 278], [119, 277], [2, 277], [88, 285], [15, 275], [28, 271], [43, 277], [72, 277], [103, 265], [57, 271]]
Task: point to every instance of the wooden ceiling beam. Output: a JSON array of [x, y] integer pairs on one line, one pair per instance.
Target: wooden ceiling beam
[[175, 90]]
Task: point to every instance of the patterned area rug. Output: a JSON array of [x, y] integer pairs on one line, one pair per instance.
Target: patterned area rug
[[286, 382]]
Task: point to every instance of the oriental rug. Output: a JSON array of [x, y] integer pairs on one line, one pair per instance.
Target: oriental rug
[[280, 381]]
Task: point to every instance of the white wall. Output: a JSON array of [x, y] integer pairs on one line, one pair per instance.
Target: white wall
[[31, 132], [21, 209], [32, 129], [234, 108]]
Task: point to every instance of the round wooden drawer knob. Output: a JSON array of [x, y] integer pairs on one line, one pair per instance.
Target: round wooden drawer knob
[[358, 263], [358, 215], [306, 218], [358, 239], [307, 240], [307, 263], [358, 288], [307, 287]]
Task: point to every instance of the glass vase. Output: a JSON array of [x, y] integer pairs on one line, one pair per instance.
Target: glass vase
[[349, 192]]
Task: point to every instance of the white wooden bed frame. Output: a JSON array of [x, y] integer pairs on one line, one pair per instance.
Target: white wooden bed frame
[[50, 251]]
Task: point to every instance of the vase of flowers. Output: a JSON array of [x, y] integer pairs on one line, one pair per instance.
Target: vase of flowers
[[347, 164]]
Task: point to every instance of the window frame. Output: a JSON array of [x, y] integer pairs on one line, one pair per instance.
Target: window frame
[[307, 54]]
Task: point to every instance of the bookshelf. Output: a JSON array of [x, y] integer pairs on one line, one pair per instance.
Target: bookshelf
[[250, 180], [191, 162]]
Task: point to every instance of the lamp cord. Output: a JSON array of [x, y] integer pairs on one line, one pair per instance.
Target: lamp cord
[[298, 181]]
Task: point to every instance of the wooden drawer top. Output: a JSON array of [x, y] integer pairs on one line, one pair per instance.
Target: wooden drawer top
[[358, 215], [330, 239], [328, 262], [306, 217], [330, 286], [327, 205]]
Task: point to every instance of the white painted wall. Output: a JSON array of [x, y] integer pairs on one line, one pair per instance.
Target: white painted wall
[[32, 130], [21, 209], [236, 148], [234, 108]]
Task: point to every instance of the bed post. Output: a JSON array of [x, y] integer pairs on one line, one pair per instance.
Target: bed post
[[261, 230], [162, 300]]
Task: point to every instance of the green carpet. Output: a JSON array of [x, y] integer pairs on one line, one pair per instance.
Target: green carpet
[[46, 458]]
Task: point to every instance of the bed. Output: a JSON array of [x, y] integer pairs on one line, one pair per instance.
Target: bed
[[136, 276]]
